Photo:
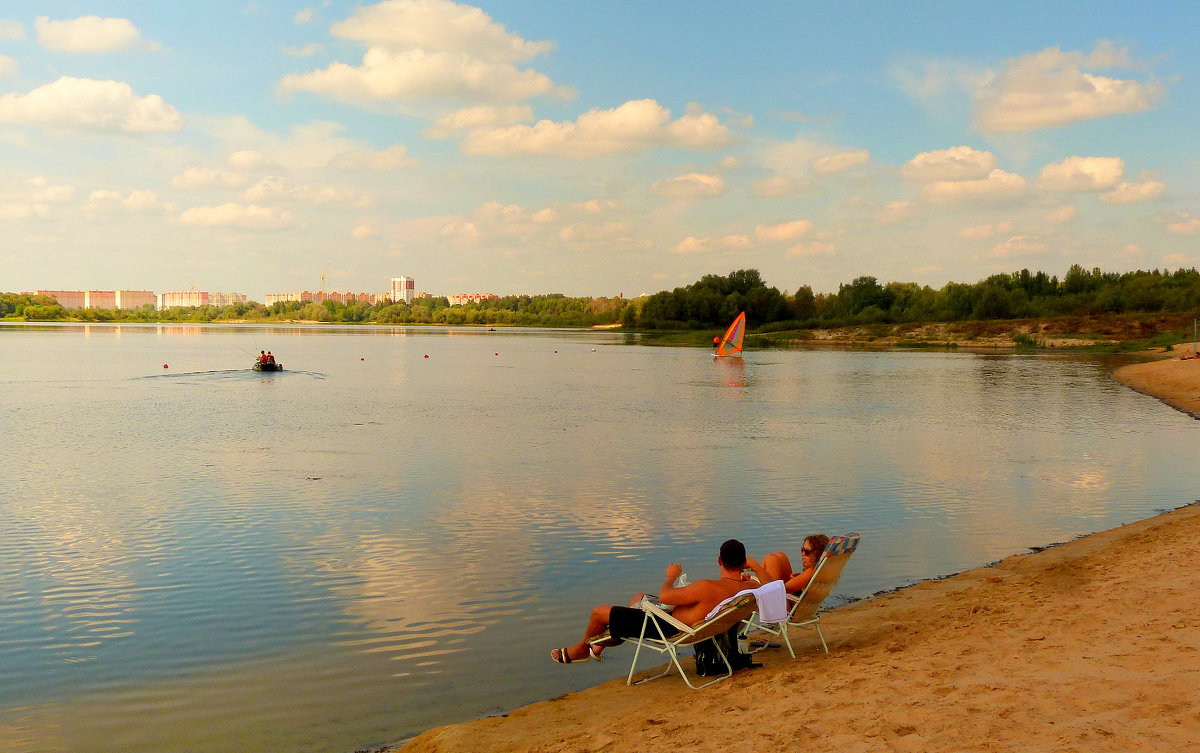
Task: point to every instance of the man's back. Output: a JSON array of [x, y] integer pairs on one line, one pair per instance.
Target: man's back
[[693, 602]]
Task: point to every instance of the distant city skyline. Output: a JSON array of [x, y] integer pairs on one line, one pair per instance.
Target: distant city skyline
[[593, 149]]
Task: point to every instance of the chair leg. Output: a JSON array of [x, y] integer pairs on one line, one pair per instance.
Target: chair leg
[[783, 631], [821, 635]]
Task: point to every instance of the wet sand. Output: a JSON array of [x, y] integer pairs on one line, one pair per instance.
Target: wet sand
[[1089, 646]]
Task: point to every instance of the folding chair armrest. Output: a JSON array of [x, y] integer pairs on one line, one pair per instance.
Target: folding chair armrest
[[650, 607]]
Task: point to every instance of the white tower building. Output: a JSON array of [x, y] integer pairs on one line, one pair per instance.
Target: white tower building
[[403, 289]]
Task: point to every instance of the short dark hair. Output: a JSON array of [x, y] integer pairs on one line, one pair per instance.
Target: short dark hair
[[733, 554]]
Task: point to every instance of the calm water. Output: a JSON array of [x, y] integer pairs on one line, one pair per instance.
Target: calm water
[[204, 558]]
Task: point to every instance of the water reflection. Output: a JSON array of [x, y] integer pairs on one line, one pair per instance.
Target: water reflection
[[208, 563]]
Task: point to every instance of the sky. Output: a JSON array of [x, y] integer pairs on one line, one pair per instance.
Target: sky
[[590, 148]]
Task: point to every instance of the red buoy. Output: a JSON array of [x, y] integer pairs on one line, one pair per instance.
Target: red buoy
[[427, 355], [165, 366]]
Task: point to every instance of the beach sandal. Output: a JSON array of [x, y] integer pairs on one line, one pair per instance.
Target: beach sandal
[[565, 658]]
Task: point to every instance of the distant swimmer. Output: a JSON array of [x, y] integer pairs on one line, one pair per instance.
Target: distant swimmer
[[716, 344]]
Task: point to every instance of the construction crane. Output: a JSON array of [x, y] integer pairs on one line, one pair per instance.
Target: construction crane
[[323, 273]]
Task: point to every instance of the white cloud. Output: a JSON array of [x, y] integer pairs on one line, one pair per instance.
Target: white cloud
[[784, 231], [778, 185], [1132, 251], [1078, 174], [836, 163], [981, 232], [812, 248], [692, 245], [308, 50], [1049, 88], [88, 104], [735, 241], [1018, 245], [250, 217], [462, 231], [1185, 225], [304, 16], [606, 232], [1128, 192], [731, 162], [895, 211], [12, 30], [364, 232], [401, 25], [15, 210], [634, 126], [420, 50], [207, 177], [1062, 215], [276, 187], [394, 157], [136, 202], [249, 159], [545, 216], [482, 116], [690, 186], [87, 34], [955, 163], [998, 186], [37, 190], [9, 67]]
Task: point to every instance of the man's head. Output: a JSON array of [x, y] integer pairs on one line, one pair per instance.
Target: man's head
[[733, 555]]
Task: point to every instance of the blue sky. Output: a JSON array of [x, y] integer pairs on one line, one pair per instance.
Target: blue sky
[[590, 148]]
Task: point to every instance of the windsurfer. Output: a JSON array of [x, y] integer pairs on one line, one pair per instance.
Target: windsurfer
[[716, 343]]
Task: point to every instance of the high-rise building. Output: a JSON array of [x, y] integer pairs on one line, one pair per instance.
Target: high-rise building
[[183, 298], [403, 289], [68, 299], [135, 299]]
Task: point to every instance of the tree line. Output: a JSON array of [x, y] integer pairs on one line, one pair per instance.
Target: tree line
[[714, 300]]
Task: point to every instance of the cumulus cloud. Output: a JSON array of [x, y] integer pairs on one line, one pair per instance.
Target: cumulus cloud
[[37, 190], [9, 67], [304, 16], [12, 30], [88, 104], [364, 232], [1184, 225], [690, 186], [594, 232], [812, 248], [135, 202], [634, 126], [1080, 174], [16, 210], [1018, 245], [207, 177], [246, 216], [1132, 251], [778, 185], [429, 50], [249, 159], [1050, 88], [836, 163], [276, 187], [955, 163], [87, 34], [998, 186], [692, 245], [1134, 192], [784, 231], [982, 232], [461, 231], [394, 157], [482, 116]]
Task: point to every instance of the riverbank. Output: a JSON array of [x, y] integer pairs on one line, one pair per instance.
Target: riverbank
[[1093, 645]]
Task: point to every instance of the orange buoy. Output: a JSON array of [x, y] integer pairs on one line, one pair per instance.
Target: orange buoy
[[165, 366]]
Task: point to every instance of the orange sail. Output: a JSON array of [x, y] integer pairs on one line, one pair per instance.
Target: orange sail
[[731, 343]]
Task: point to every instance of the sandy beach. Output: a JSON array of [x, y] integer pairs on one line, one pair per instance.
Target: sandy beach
[[1092, 645]]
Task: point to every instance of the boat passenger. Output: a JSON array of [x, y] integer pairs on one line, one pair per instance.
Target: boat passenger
[[777, 566], [270, 358], [262, 357]]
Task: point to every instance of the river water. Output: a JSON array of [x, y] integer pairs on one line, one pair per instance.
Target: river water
[[394, 532]]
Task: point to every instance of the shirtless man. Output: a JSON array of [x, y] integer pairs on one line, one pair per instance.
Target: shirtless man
[[692, 603]]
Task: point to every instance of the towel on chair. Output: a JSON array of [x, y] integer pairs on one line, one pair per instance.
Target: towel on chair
[[772, 602]]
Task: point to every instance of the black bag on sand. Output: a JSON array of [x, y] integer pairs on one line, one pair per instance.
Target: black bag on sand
[[708, 659]]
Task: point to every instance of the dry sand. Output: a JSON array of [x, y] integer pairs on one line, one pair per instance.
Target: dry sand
[[1090, 646]]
